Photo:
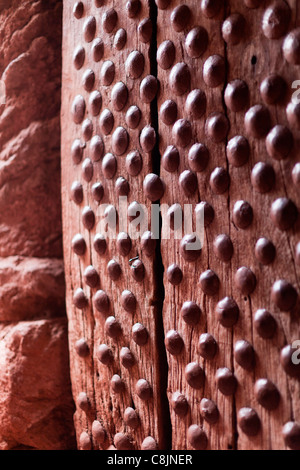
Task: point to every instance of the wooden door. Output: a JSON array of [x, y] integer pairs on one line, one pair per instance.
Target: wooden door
[[191, 105]]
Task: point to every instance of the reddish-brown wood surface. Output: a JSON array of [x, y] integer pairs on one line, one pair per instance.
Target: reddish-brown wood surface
[[213, 59]]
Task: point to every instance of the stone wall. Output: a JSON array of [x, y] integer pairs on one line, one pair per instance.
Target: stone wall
[[36, 407]]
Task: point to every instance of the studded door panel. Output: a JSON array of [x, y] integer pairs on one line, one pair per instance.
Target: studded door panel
[[193, 104]]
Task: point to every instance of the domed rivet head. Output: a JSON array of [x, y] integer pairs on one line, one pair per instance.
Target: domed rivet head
[[88, 218], [245, 280], [95, 102], [154, 187], [238, 151], [87, 170], [190, 313], [166, 54], [195, 104], [133, 117], [287, 362], [265, 251], [148, 243], [78, 57], [244, 354], [296, 175], [135, 64], [180, 79], [101, 301], [105, 355], [100, 244], [223, 247], [83, 402], [98, 432], [116, 384], [77, 151], [78, 10], [276, 20], [140, 334], [174, 342], [265, 324], [284, 295], [120, 141], [188, 182], [272, 89], [209, 411], [291, 47], [242, 214], [124, 244], [162, 4], [248, 421], [120, 39], [219, 180], [174, 274], [207, 346], [171, 158], [198, 157], [194, 375], [85, 441], [168, 112], [109, 20], [293, 114], [205, 210], [91, 277], [79, 299], [78, 245], [179, 404], [214, 71], [122, 441], [149, 443], [209, 282], [106, 121], [131, 418], [217, 127], [145, 29], [263, 177], [279, 142], [107, 73], [113, 328], [97, 192], [211, 8], [284, 213], [78, 109], [148, 139], [88, 80], [137, 269], [197, 437], [82, 348], [226, 381], [143, 389], [148, 88], [236, 95], [119, 96], [291, 435], [227, 312], [122, 187], [77, 192], [114, 270], [190, 248], [196, 42], [128, 301], [258, 121], [132, 8], [267, 394], [98, 49], [134, 163], [180, 17], [87, 129], [233, 29], [89, 28], [182, 133]]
